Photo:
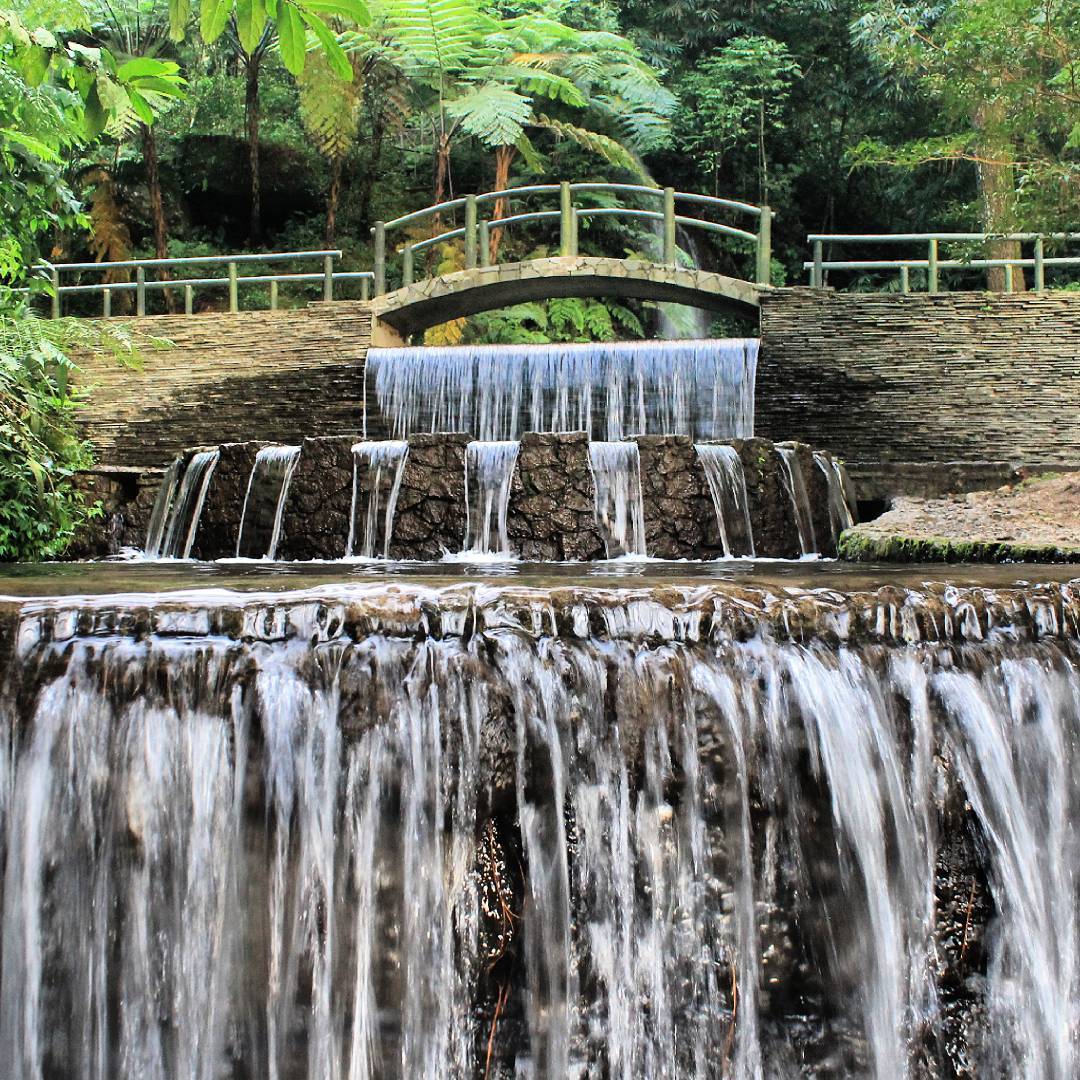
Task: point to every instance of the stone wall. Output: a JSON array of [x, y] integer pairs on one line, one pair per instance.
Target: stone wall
[[219, 527], [275, 376], [318, 507], [552, 510], [431, 514], [897, 385]]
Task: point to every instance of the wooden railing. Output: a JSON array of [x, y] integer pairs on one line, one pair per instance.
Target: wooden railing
[[933, 263], [476, 231], [233, 281]]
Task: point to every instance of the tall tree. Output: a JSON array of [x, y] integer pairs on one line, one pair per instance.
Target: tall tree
[[1005, 77]]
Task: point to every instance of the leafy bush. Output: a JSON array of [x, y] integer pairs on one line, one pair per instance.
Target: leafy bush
[[41, 508]]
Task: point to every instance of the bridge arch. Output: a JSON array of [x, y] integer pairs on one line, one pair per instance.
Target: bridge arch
[[419, 306]]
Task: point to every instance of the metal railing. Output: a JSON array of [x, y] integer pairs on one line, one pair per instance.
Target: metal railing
[[233, 280], [477, 229], [933, 263]]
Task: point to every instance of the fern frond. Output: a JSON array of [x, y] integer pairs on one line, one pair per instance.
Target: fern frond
[[329, 107], [612, 151], [496, 115]]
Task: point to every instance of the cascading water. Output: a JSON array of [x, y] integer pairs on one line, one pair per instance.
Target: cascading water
[[264, 502], [378, 468], [184, 502], [390, 831], [840, 515], [727, 484], [795, 483], [620, 510], [163, 503], [704, 389], [489, 471]]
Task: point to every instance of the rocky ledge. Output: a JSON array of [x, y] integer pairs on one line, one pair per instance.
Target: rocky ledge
[[1035, 520]]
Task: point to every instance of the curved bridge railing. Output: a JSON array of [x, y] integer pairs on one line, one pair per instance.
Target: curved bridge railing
[[477, 229]]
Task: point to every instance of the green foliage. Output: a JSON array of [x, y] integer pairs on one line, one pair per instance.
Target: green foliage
[[40, 452], [561, 320], [736, 98], [1004, 77]]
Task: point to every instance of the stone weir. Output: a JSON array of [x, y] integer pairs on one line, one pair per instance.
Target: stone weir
[[545, 497], [389, 831]]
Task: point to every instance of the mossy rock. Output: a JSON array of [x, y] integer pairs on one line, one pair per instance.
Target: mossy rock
[[858, 546]]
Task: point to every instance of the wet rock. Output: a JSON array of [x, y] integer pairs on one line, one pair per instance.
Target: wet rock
[[315, 524]]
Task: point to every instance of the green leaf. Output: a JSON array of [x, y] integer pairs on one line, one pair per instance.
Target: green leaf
[[356, 10], [141, 107], [250, 21], [179, 16], [496, 115], [292, 41], [28, 142], [335, 54], [214, 16], [143, 66]]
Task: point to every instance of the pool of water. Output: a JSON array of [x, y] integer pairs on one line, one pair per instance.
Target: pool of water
[[24, 580]]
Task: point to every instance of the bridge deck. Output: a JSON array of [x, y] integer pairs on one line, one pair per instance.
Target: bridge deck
[[427, 303]]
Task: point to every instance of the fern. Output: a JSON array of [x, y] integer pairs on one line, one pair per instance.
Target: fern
[[611, 150], [329, 107], [496, 115], [442, 36]]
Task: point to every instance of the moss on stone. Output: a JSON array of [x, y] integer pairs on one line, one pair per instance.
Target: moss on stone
[[857, 545]]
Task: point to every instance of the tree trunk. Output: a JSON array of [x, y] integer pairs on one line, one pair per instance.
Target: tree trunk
[[442, 165], [252, 119], [157, 207], [504, 158], [374, 161], [336, 167], [997, 189]]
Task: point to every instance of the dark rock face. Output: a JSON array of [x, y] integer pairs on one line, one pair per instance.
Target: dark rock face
[[219, 526], [431, 514], [776, 534], [551, 517], [316, 522], [680, 520]]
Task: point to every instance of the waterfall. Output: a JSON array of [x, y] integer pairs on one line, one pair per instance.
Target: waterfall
[[185, 507], [489, 470], [795, 483], [163, 503], [727, 485], [620, 509], [389, 831], [264, 502], [611, 390], [840, 515], [378, 468]]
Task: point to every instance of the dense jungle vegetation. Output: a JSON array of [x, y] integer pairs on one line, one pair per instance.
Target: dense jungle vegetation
[[170, 127]]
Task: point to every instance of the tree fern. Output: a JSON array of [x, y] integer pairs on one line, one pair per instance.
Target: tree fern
[[329, 107]]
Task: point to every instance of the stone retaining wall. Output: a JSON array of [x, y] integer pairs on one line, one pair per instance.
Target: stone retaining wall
[[275, 376], [897, 385]]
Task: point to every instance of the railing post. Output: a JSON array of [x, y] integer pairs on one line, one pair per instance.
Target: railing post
[[106, 303], [932, 266], [470, 232], [328, 278], [189, 299], [140, 290], [365, 288], [1040, 265], [905, 279], [54, 277], [669, 227], [817, 275], [764, 247], [485, 243], [407, 266], [234, 297], [566, 218], [380, 257], [1008, 277], [273, 295], [575, 226]]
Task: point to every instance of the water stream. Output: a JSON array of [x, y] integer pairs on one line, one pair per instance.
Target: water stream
[[489, 472], [727, 485], [185, 507], [396, 831], [704, 389], [264, 502], [378, 468], [795, 484], [620, 510]]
